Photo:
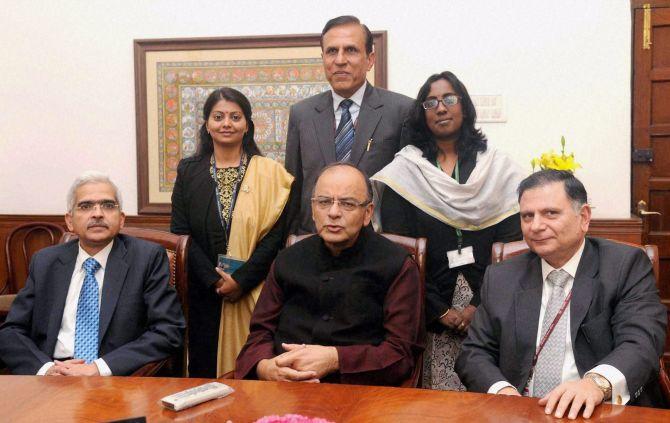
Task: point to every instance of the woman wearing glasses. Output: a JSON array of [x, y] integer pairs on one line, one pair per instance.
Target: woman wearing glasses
[[449, 186], [231, 200]]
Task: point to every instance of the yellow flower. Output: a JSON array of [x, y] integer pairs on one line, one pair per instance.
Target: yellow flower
[[551, 160]]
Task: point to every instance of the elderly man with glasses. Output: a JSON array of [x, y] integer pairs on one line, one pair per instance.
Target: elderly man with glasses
[[97, 306], [340, 306]]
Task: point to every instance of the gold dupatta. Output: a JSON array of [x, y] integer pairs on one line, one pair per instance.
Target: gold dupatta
[[262, 197]]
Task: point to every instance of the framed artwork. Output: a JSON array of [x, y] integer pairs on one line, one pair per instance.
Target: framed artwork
[[173, 78]]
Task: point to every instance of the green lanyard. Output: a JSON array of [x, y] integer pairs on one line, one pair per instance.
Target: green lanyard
[[459, 233]]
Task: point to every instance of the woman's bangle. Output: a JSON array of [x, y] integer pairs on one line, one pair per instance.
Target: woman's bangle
[[445, 314]]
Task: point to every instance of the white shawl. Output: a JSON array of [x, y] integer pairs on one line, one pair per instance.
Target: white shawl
[[488, 197]]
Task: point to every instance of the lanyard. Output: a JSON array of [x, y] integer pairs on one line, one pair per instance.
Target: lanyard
[[457, 177], [227, 223], [546, 336]]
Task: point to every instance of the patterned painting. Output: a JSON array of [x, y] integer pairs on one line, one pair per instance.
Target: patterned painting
[[174, 77], [272, 86]]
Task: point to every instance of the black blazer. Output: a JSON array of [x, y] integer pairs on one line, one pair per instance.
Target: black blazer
[[140, 317], [616, 318], [195, 213]]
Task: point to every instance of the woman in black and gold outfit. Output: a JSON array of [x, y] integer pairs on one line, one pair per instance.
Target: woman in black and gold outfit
[[452, 188], [231, 201]]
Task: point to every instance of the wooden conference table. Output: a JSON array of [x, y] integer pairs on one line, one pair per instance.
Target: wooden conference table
[[65, 399]]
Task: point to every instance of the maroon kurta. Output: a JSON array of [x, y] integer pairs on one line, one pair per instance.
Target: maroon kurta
[[388, 360]]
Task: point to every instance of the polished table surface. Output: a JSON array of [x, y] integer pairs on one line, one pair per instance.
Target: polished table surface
[[60, 399]]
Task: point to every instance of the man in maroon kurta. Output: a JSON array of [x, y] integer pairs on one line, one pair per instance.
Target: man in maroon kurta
[[343, 306]]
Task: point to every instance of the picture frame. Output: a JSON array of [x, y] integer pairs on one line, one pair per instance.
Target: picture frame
[[173, 77]]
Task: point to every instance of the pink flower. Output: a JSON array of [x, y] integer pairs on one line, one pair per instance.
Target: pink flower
[[291, 418]]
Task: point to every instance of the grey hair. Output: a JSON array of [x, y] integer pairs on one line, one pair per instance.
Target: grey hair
[[91, 177]]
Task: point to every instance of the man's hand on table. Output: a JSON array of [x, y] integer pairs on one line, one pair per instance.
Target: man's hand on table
[[74, 367], [572, 396]]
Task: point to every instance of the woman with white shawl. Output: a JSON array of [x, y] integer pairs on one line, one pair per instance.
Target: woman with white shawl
[[449, 186]]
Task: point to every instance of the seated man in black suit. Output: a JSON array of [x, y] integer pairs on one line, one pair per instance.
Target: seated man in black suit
[[101, 305], [576, 321], [341, 306]]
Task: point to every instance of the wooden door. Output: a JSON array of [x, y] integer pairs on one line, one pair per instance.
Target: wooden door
[[651, 131]]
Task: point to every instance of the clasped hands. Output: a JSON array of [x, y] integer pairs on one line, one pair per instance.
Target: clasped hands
[[227, 287], [74, 367], [459, 320], [300, 363], [571, 395]]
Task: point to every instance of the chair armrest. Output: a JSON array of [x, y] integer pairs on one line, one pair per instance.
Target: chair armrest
[[664, 381], [150, 369], [414, 381], [5, 304]]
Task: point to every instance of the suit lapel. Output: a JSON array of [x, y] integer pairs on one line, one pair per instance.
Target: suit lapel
[[527, 304], [583, 288], [59, 286], [115, 277], [368, 118], [324, 125]]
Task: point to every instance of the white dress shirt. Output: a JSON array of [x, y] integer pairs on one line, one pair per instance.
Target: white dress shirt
[[65, 343], [620, 394], [354, 109]]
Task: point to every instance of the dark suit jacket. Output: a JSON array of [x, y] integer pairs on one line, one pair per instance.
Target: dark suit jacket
[[310, 143], [616, 318], [140, 317]]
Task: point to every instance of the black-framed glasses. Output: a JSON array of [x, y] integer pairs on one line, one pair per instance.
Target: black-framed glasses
[[347, 204], [448, 100], [105, 205]]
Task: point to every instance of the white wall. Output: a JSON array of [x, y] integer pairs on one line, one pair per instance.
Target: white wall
[[67, 82]]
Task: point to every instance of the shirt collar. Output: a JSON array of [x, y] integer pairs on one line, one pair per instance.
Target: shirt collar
[[101, 257], [570, 266], [357, 98]]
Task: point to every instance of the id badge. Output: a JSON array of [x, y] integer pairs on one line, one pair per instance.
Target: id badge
[[229, 264], [456, 259]]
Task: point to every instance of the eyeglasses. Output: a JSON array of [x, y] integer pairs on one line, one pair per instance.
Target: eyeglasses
[[346, 204], [105, 205], [448, 100]]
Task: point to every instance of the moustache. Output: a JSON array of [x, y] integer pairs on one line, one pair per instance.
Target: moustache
[[97, 224]]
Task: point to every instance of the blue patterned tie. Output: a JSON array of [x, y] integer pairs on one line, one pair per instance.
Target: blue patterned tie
[[344, 136], [88, 315]]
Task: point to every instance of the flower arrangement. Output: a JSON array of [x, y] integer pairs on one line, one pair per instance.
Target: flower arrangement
[[551, 160]]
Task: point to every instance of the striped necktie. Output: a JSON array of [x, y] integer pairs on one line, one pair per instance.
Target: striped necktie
[[344, 136], [88, 315], [549, 367]]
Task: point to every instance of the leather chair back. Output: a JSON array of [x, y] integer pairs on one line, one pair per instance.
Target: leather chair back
[[22, 242]]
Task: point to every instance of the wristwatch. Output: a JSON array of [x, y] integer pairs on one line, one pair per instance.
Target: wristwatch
[[602, 383]]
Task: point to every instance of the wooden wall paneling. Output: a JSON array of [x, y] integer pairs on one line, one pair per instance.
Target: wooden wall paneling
[[628, 230], [8, 222]]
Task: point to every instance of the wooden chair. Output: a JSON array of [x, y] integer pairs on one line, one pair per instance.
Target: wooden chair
[[176, 247], [417, 249], [502, 251], [22, 242]]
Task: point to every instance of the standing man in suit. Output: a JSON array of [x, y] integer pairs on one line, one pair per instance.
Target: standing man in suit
[[101, 305], [576, 321], [354, 122]]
